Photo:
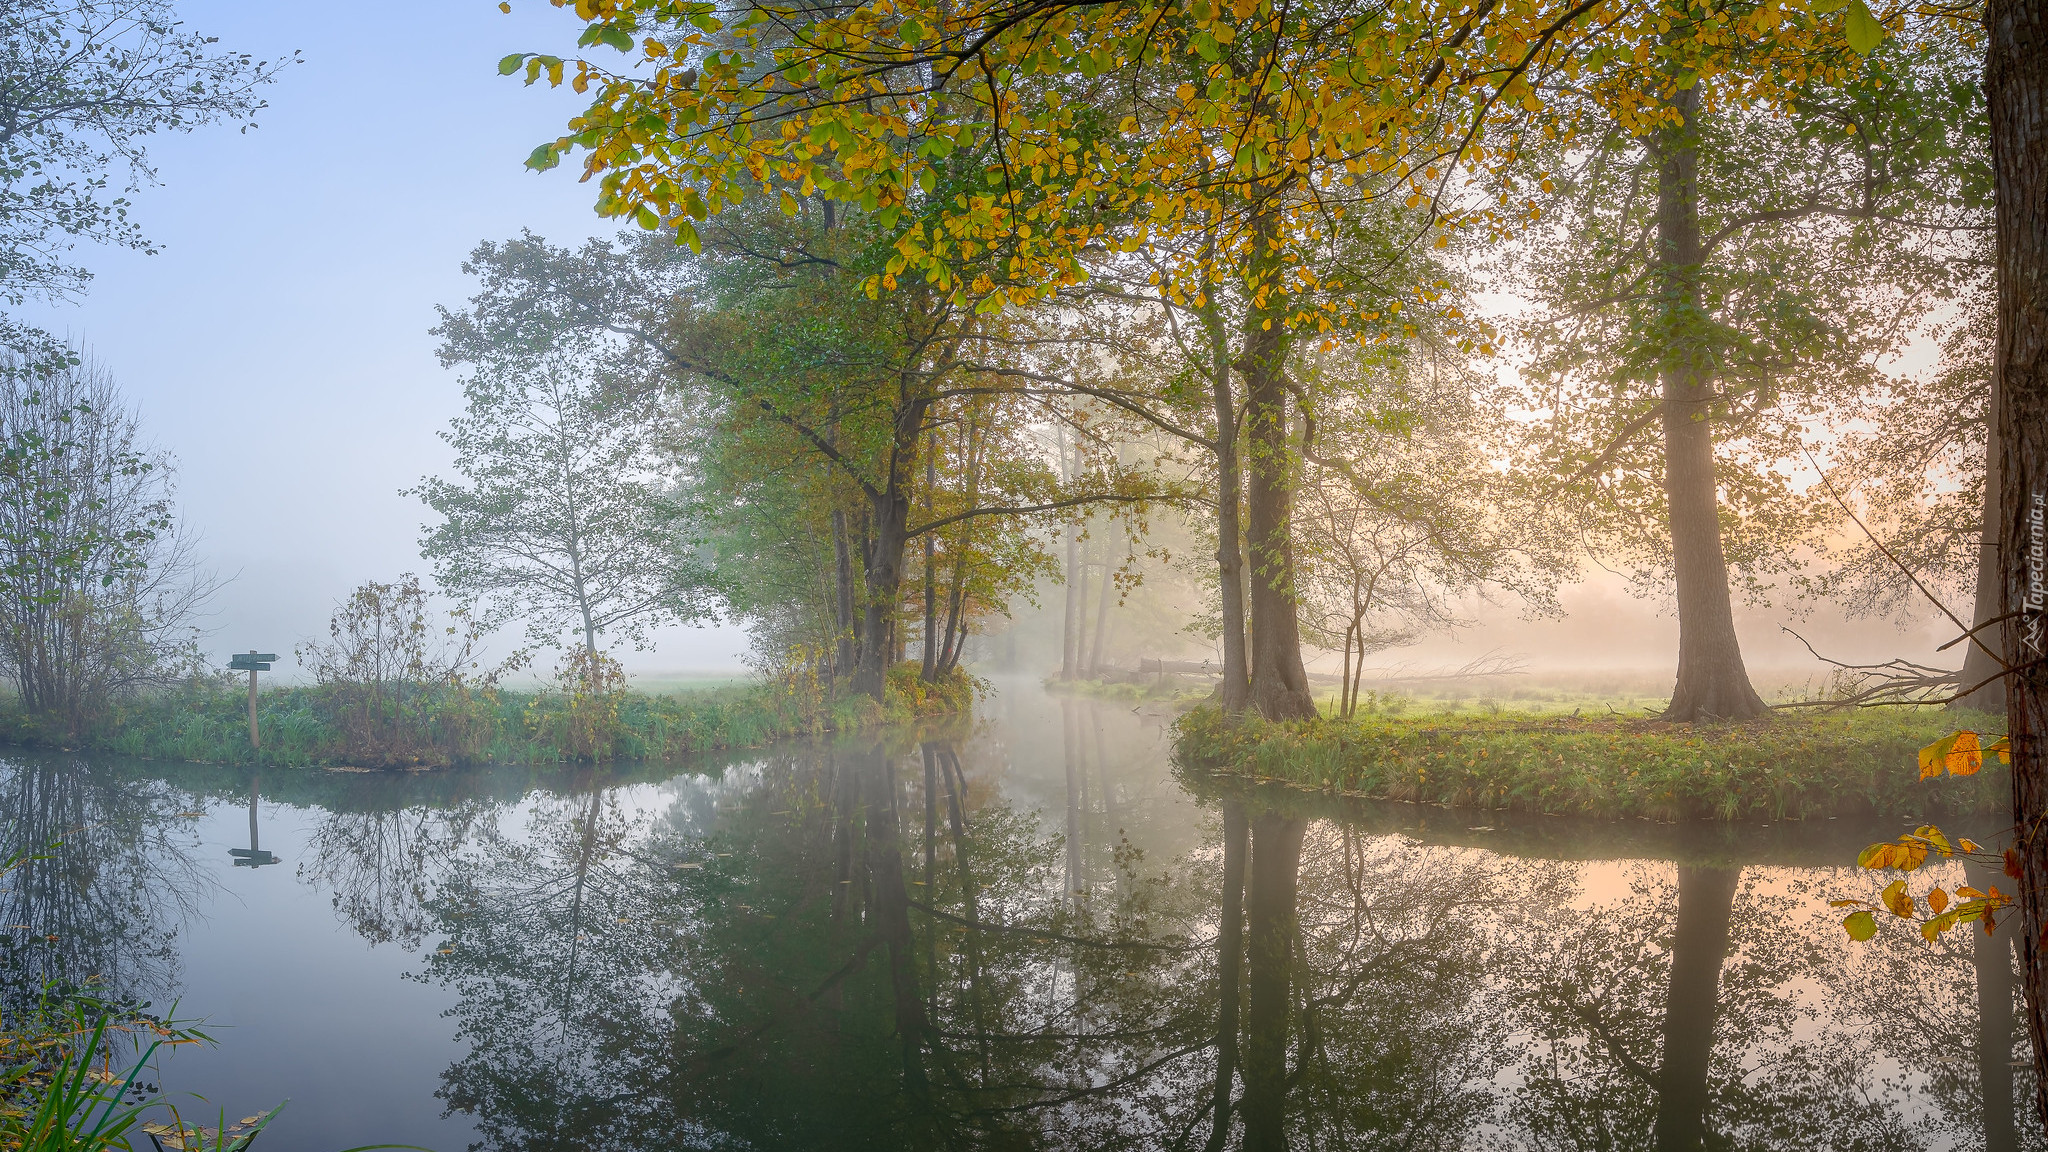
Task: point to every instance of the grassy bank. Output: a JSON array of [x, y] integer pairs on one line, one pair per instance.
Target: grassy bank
[[324, 726], [1778, 768]]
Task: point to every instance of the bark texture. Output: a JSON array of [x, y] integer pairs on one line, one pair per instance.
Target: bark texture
[[1712, 682], [2016, 90], [1279, 682]]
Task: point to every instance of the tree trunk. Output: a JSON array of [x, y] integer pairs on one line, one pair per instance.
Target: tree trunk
[[929, 670], [1279, 683], [1712, 682], [1270, 932], [2016, 89], [1236, 686], [1102, 600], [1706, 902], [1068, 638], [842, 563], [1229, 969], [1980, 666], [884, 585]]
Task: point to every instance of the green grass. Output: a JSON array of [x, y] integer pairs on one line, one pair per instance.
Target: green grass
[[1778, 768], [301, 726]]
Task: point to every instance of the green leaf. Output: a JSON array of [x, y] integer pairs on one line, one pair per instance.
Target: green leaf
[[1863, 31], [542, 158], [510, 64], [1860, 926]]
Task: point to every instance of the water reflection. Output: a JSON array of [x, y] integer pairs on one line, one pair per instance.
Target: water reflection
[[1029, 936], [253, 856], [109, 875]]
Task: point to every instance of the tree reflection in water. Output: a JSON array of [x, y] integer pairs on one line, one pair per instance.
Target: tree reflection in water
[[862, 955], [118, 875], [870, 947]]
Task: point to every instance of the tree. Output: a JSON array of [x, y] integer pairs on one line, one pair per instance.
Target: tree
[[399, 681], [1402, 510], [98, 587], [1716, 281], [2016, 90], [564, 518], [87, 82], [1009, 146], [850, 392]]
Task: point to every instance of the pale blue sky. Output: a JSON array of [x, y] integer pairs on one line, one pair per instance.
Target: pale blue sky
[[278, 345]]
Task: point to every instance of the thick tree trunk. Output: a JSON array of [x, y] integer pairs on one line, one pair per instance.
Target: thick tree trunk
[[884, 586], [1279, 683], [2016, 89], [1236, 687], [1980, 666], [1712, 682], [1706, 902], [1270, 932]]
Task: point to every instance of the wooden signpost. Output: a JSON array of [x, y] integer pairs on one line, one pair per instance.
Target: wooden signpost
[[252, 662]]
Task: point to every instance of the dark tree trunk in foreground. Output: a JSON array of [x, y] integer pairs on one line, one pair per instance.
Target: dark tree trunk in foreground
[[1229, 968], [1706, 902], [2016, 89], [1269, 938], [1279, 683], [1712, 683]]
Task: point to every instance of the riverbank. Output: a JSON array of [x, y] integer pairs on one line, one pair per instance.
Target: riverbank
[[1783, 767], [321, 726]]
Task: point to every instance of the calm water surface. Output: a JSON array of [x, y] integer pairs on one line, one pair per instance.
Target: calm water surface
[[1010, 936]]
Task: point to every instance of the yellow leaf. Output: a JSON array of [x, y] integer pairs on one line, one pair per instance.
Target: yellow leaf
[[1937, 926], [1932, 835], [1896, 899], [1937, 901]]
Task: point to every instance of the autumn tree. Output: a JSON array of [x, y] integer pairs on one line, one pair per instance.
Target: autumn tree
[[1718, 276]]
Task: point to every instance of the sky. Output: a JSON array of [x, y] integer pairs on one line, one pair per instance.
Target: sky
[[278, 345]]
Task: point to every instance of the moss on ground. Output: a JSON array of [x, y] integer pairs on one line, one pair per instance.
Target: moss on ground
[[1782, 767]]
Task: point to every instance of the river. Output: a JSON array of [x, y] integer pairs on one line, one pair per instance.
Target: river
[[1011, 934]]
